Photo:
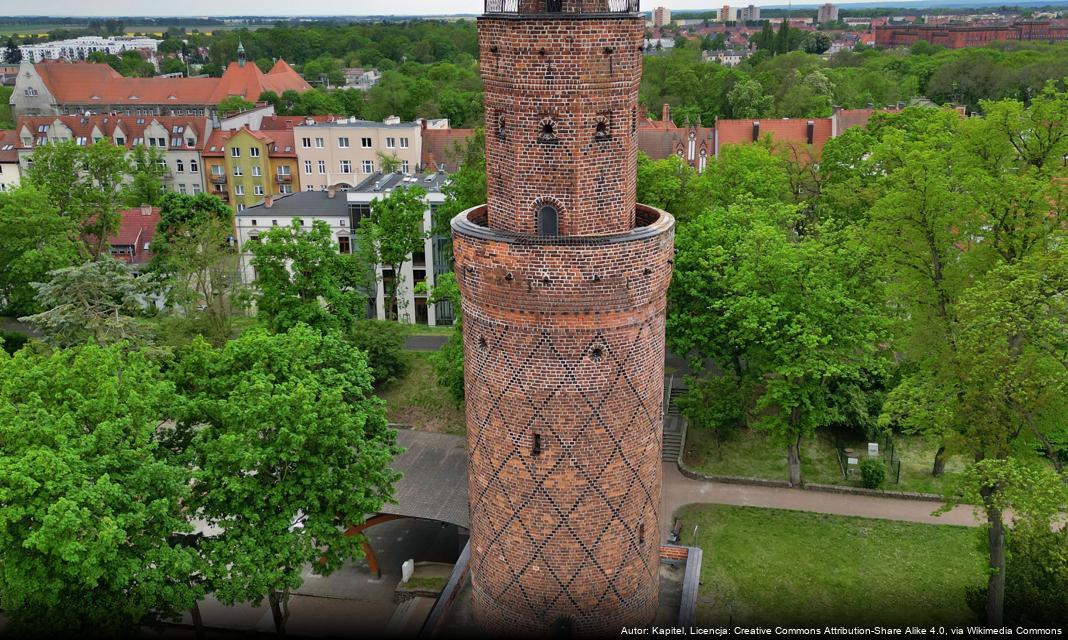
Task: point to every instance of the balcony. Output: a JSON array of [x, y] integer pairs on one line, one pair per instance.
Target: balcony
[[561, 6], [218, 179], [283, 178]]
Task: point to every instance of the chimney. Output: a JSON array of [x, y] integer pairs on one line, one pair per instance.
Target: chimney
[[330, 192], [146, 209], [268, 201], [756, 130], [810, 131], [665, 115]]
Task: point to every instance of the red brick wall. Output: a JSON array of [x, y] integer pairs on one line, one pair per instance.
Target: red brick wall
[[564, 339], [573, 71]]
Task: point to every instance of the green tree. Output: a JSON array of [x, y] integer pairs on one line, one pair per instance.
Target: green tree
[[390, 235], [816, 42], [383, 342], [94, 514], [748, 100], [98, 300], [466, 187], [148, 167], [301, 278], [449, 359], [194, 253], [233, 104], [291, 447], [34, 240], [12, 54]]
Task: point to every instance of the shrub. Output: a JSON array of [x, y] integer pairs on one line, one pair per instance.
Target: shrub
[[1036, 578], [383, 341], [449, 365], [873, 472]]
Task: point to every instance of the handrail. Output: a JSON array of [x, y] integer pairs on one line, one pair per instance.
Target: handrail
[[557, 6]]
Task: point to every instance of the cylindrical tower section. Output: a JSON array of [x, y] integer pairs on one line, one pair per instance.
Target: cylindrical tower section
[[561, 98], [564, 374]]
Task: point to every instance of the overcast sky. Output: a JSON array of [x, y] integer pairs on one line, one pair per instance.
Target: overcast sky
[[289, 7]]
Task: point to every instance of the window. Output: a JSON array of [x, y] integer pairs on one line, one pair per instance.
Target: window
[[405, 167], [216, 169], [404, 143], [162, 142], [179, 166], [193, 166], [368, 166], [181, 189], [346, 166], [343, 245], [391, 143], [176, 142], [196, 189], [240, 207], [235, 152], [237, 171], [256, 171], [548, 223], [258, 190], [189, 142], [283, 169], [254, 152], [306, 143], [365, 143], [343, 143], [322, 166], [239, 190], [318, 143], [285, 189], [307, 167]]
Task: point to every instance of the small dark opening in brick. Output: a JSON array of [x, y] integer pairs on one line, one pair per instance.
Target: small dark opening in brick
[[602, 131], [536, 450], [509, 277], [596, 354], [641, 533], [482, 344], [648, 271]]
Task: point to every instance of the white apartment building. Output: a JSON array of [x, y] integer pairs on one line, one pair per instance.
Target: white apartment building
[[342, 209], [343, 154], [80, 48]]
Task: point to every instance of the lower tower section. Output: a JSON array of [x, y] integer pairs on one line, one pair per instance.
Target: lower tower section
[[564, 360]]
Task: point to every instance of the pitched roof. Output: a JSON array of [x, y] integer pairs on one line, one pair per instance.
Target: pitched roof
[[439, 147], [784, 130], [130, 128], [9, 142], [136, 230], [90, 83]]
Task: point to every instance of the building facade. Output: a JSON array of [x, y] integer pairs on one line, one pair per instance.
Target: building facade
[[959, 36], [179, 139], [563, 278], [827, 13], [661, 17], [245, 166], [10, 170], [343, 210], [343, 154], [80, 48]]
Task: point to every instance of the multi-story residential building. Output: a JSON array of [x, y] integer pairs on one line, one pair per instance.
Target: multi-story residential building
[[132, 243], [725, 14], [661, 17], [749, 14], [363, 79], [58, 87], [827, 13], [10, 172], [80, 48], [244, 166], [343, 212], [344, 153], [180, 139]]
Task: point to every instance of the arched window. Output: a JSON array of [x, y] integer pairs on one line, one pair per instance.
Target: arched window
[[548, 220]]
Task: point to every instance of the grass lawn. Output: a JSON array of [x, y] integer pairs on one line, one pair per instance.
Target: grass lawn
[[770, 566], [426, 330], [7, 121], [417, 401], [751, 453]]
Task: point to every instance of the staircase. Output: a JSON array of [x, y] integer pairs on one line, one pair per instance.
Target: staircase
[[674, 423]]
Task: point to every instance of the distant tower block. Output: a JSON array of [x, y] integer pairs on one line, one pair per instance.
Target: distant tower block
[[563, 280]]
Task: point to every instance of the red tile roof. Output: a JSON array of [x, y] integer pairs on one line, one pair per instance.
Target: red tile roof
[[9, 142], [89, 83], [444, 147], [136, 230], [131, 127], [788, 130]]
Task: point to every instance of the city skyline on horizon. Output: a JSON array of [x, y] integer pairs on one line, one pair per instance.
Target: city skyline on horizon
[[340, 8]]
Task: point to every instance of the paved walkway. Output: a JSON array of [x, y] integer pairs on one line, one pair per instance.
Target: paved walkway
[[679, 491]]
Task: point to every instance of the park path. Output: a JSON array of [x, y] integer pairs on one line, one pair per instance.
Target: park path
[[679, 491]]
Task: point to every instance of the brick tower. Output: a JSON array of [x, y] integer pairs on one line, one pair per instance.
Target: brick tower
[[563, 279]]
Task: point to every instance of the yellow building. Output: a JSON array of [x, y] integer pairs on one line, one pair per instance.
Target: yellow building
[[243, 167]]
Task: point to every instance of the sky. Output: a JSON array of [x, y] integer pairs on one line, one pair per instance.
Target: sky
[[289, 7]]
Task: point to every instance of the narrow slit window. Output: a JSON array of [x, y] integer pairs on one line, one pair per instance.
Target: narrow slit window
[[536, 451], [548, 220]]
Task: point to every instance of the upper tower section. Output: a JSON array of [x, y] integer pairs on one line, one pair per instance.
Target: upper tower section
[[561, 81]]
